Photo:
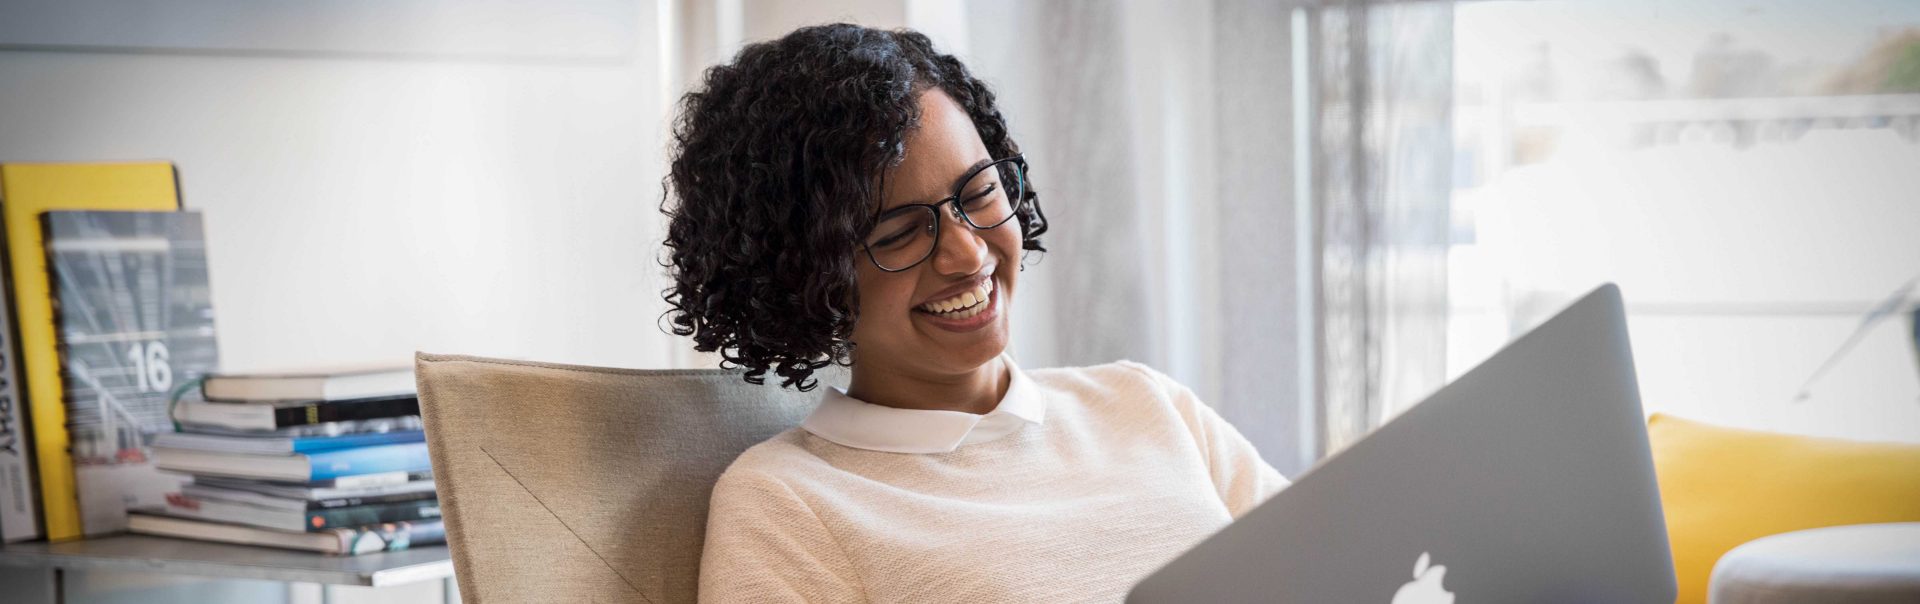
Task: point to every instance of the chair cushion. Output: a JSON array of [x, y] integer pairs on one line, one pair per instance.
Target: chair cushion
[[563, 483], [1722, 487], [1856, 564]]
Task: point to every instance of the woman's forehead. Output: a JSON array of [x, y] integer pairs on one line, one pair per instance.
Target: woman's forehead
[[941, 148]]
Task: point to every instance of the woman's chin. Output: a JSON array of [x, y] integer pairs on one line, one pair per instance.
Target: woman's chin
[[971, 347]]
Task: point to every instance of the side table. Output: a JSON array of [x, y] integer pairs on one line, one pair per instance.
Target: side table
[[187, 557]]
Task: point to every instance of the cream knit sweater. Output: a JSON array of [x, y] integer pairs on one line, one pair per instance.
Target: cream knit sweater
[[1127, 471]]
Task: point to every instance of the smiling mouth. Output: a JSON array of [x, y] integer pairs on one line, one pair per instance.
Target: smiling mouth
[[962, 306]]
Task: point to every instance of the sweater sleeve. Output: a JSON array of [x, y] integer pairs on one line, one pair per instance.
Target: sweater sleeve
[[1243, 479], [765, 544]]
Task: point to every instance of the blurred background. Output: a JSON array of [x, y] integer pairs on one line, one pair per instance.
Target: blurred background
[[1314, 212]]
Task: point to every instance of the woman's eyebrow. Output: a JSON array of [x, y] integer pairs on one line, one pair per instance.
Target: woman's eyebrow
[[958, 181], [961, 180]]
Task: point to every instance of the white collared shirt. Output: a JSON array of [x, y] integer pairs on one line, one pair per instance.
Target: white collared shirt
[[1128, 470], [851, 422]]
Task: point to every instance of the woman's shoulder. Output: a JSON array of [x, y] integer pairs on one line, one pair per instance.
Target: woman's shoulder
[[1117, 391], [774, 463], [1106, 380], [1126, 387]]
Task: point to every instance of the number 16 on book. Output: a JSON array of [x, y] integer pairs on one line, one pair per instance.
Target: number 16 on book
[[151, 370]]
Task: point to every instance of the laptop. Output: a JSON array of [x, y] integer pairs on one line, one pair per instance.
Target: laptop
[[1528, 479]]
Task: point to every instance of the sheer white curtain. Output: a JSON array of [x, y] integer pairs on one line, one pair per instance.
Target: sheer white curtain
[[1382, 79], [1250, 197], [1159, 137]]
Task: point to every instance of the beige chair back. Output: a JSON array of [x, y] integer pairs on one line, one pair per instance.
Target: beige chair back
[[562, 483]]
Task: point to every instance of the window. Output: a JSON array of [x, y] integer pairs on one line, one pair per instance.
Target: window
[[1747, 171]]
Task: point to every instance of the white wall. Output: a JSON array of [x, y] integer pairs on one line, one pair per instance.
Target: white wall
[[366, 207], [362, 203]]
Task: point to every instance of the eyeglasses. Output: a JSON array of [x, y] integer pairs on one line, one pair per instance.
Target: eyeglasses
[[988, 197]]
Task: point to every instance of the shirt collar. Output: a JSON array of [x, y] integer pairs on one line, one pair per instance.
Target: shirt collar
[[851, 422]]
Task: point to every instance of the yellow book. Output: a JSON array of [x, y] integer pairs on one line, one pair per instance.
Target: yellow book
[[26, 191]]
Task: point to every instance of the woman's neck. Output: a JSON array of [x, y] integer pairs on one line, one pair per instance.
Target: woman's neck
[[976, 392]]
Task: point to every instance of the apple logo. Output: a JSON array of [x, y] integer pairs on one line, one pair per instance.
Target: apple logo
[[1425, 587]]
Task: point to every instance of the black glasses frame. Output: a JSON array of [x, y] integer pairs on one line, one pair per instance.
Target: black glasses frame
[[1017, 160]]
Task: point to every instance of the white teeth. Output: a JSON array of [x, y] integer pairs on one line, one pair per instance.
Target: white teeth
[[965, 305], [968, 312]]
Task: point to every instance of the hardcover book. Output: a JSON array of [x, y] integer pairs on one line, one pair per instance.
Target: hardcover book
[[309, 520], [400, 459], [268, 416], [273, 445], [402, 483], [19, 499], [134, 307], [205, 492], [341, 428], [315, 384], [384, 537], [26, 191]]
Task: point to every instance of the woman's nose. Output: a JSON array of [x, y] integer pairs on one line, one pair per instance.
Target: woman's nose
[[962, 251]]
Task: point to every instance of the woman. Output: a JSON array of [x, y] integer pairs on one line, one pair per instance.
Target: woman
[[848, 195]]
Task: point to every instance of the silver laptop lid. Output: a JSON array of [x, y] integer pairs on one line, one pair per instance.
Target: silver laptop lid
[[1528, 479]]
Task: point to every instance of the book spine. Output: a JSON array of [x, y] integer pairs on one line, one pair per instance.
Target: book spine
[[282, 446], [348, 441], [389, 537], [340, 411], [19, 500], [378, 459], [323, 489], [345, 502], [318, 520]]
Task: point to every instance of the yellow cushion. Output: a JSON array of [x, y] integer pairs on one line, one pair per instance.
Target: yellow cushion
[[1722, 487]]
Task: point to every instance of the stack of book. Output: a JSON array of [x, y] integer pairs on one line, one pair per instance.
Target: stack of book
[[331, 461]]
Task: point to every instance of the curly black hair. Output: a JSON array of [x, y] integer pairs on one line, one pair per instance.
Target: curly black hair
[[776, 172]]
